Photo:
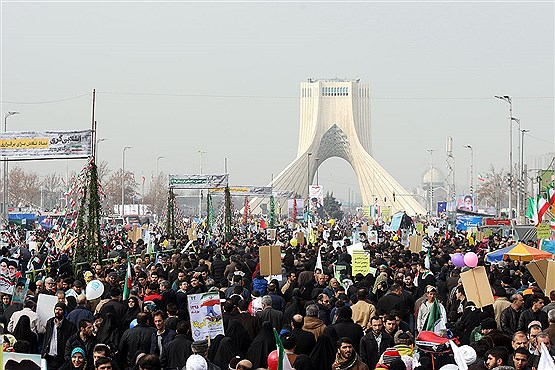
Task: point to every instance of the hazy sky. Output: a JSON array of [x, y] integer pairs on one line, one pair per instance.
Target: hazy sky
[[175, 78]]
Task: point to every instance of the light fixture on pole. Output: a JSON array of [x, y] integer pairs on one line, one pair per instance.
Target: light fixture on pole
[[431, 184], [471, 170], [317, 170], [157, 160], [518, 171], [98, 141], [123, 180], [308, 172], [200, 152], [5, 195], [522, 174], [507, 99]]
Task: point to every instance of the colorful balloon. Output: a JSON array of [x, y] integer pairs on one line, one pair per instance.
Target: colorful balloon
[[293, 242], [471, 259], [458, 260], [273, 359]]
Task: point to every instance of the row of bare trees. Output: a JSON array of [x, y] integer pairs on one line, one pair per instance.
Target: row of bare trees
[[47, 192]]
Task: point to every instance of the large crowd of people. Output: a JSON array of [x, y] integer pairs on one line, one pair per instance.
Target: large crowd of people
[[325, 316]]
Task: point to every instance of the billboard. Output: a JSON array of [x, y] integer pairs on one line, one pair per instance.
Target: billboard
[[465, 222], [20, 145], [245, 190], [466, 203]]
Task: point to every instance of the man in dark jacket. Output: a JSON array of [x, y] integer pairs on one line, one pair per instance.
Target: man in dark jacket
[[114, 305], [83, 339], [176, 352], [345, 327], [534, 313], [249, 322], [136, 339], [275, 317], [58, 332], [374, 343], [305, 339], [393, 300], [81, 312], [511, 315], [162, 336], [218, 267]]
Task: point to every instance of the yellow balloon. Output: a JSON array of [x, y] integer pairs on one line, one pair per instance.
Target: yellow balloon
[[395, 238], [293, 242], [331, 221]]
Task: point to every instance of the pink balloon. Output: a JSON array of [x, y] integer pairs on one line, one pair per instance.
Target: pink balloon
[[458, 260], [471, 259]]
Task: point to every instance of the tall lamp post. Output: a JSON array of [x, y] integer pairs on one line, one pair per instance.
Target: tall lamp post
[[200, 152], [123, 180], [98, 141], [431, 181], [507, 98], [317, 170], [518, 170], [522, 172], [5, 195], [471, 169], [157, 160]]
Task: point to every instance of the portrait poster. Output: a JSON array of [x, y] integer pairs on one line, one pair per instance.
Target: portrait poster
[[206, 315], [8, 272], [16, 361], [20, 291]]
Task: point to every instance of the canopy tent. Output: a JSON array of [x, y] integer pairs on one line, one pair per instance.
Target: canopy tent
[[523, 252], [497, 256]]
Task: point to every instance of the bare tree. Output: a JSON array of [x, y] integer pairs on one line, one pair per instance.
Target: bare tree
[[112, 189], [23, 187], [157, 195], [52, 188], [494, 190]]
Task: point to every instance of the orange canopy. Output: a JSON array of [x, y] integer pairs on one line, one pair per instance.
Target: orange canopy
[[523, 252]]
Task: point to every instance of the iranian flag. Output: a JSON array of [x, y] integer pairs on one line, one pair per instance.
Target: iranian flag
[[532, 211], [283, 360], [436, 318], [128, 281], [543, 206], [550, 195]]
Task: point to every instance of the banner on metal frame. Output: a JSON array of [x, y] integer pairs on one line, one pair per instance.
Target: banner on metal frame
[[19, 145], [245, 190], [198, 181]]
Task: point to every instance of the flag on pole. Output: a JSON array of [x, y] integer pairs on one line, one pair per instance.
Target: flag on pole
[[543, 206], [128, 281], [319, 261], [550, 195], [283, 360], [436, 318]]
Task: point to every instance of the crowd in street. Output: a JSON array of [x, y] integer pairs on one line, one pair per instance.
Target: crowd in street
[[325, 316]]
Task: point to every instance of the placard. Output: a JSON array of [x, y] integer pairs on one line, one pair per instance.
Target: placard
[[45, 307], [17, 361], [488, 233], [543, 272], [205, 312], [361, 263], [415, 243], [300, 238], [544, 231], [419, 228], [373, 236], [479, 236], [476, 286], [270, 260], [271, 234]]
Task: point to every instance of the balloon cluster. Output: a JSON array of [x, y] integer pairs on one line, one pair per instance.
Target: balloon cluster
[[460, 260]]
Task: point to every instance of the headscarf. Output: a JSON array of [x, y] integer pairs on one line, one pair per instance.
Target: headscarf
[[108, 333], [23, 331], [225, 353], [239, 336], [323, 354], [131, 313], [261, 346]]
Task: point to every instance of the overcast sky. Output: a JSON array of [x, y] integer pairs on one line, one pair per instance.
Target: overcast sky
[[176, 78]]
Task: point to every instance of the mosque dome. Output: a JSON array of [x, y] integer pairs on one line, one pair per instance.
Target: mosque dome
[[437, 177]]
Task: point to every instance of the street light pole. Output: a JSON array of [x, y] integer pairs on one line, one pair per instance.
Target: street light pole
[[123, 180], [518, 171], [471, 170], [317, 170], [308, 172], [431, 183], [200, 152], [522, 172], [507, 98], [5, 195], [157, 160], [98, 141]]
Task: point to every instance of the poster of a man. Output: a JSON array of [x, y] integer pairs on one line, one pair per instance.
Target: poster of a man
[[316, 201], [465, 203]]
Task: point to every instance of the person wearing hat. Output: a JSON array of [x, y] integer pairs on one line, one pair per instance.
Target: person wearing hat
[[58, 331], [75, 290], [200, 348], [425, 309]]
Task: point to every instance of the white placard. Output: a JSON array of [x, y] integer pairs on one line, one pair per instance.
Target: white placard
[[45, 307]]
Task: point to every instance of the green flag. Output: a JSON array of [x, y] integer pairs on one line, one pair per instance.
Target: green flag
[[434, 318]]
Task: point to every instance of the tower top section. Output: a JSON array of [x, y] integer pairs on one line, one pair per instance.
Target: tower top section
[[335, 79]]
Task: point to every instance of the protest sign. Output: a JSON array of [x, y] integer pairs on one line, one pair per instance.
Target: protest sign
[[488, 233], [45, 307], [361, 263], [17, 361], [337, 271], [476, 286], [270, 260], [206, 315], [20, 291], [543, 272], [419, 228], [8, 270], [271, 234], [373, 236], [415, 243], [544, 231]]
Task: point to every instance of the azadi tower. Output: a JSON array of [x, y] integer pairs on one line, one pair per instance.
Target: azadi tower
[[335, 122]]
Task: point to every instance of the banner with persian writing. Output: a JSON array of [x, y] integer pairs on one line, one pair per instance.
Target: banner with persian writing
[[198, 181], [245, 190], [19, 145]]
